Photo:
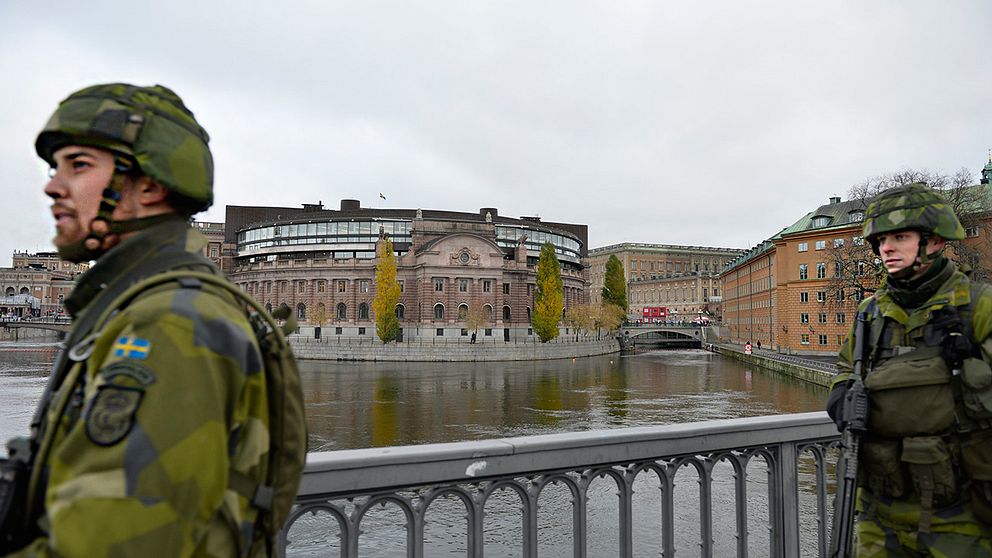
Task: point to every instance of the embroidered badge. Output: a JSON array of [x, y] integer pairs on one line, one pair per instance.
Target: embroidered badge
[[110, 415], [132, 347], [136, 371]]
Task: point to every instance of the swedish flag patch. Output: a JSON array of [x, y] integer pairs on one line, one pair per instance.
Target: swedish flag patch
[[132, 347]]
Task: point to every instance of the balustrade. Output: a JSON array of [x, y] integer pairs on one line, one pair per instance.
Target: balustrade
[[340, 488]]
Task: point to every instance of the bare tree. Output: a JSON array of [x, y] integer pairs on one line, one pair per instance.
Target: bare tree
[[856, 270]]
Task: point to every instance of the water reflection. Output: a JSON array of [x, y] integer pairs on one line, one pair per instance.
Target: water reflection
[[354, 405]]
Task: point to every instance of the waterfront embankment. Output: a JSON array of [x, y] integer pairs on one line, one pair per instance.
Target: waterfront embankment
[[29, 334], [813, 371], [445, 350]]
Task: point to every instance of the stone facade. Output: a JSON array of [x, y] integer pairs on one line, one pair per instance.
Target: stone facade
[[43, 276], [656, 272], [447, 264]]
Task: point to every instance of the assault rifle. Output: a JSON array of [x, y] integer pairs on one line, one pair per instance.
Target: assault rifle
[[855, 420]]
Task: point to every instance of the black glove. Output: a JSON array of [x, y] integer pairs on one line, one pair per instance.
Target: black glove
[[835, 404]]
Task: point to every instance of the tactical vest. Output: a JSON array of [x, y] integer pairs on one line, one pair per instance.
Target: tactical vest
[[930, 429]]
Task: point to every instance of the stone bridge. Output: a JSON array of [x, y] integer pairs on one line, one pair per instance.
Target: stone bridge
[[37, 324], [670, 334]]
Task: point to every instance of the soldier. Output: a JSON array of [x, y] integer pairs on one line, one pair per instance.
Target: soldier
[[925, 471], [153, 416]]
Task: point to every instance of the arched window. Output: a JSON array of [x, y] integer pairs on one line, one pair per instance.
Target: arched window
[[268, 307], [462, 311], [25, 290], [400, 311], [301, 311], [488, 309], [363, 311], [528, 313], [439, 311], [506, 313], [342, 311], [11, 291]]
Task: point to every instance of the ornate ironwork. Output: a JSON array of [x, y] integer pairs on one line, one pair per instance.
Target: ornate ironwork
[[346, 485]]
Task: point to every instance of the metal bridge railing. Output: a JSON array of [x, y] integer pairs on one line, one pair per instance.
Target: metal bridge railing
[[341, 488]]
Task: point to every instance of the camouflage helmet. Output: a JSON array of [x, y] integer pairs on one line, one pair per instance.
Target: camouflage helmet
[[151, 125], [913, 206]]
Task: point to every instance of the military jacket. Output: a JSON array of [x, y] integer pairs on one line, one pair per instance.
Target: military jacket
[[161, 403], [928, 449]]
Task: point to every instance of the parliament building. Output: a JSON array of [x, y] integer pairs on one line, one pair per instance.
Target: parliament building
[[321, 262]]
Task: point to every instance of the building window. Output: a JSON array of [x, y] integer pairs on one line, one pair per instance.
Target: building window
[[506, 313], [488, 310], [338, 330], [821, 244], [361, 331], [440, 332], [858, 241], [506, 288], [321, 286], [821, 317], [804, 296], [462, 311], [822, 339], [821, 221], [838, 243], [489, 332], [856, 216], [840, 295], [342, 285], [301, 311], [342, 311], [438, 311], [301, 287], [804, 338], [463, 285], [821, 296], [400, 311], [821, 270], [803, 271], [464, 332], [971, 232], [363, 286], [487, 286], [804, 318], [841, 317], [528, 313], [400, 283], [439, 285], [363, 311], [838, 269]]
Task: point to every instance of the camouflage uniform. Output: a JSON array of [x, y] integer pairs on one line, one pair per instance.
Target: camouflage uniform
[[926, 460], [160, 408]]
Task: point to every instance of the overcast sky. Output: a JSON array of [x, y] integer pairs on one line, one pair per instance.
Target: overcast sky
[[712, 123]]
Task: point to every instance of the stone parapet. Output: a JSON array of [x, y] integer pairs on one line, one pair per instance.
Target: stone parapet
[[785, 365], [447, 351]]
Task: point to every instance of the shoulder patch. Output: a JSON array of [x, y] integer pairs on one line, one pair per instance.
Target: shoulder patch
[[135, 371], [110, 415], [132, 347]]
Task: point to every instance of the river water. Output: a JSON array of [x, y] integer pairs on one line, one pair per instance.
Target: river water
[[356, 405]]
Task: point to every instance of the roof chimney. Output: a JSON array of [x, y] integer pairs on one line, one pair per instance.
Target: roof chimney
[[350, 205]]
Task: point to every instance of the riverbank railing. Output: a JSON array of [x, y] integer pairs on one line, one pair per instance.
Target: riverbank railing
[[792, 454]]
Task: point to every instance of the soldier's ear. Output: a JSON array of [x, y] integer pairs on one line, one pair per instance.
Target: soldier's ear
[[149, 192]]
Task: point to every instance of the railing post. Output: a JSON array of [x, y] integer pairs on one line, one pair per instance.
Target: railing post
[[786, 525]]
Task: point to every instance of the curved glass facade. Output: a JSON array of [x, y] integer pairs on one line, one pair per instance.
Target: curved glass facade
[[356, 239], [358, 236], [566, 247]]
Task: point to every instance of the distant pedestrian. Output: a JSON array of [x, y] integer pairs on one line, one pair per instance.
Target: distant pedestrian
[[473, 338], [758, 345]]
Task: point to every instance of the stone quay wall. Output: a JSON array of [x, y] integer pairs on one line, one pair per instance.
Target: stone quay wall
[[784, 365], [374, 350], [28, 334]]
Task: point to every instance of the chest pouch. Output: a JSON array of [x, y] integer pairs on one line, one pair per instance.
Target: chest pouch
[[911, 394], [976, 375]]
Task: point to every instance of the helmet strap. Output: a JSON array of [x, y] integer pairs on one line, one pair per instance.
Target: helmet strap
[[91, 247]]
